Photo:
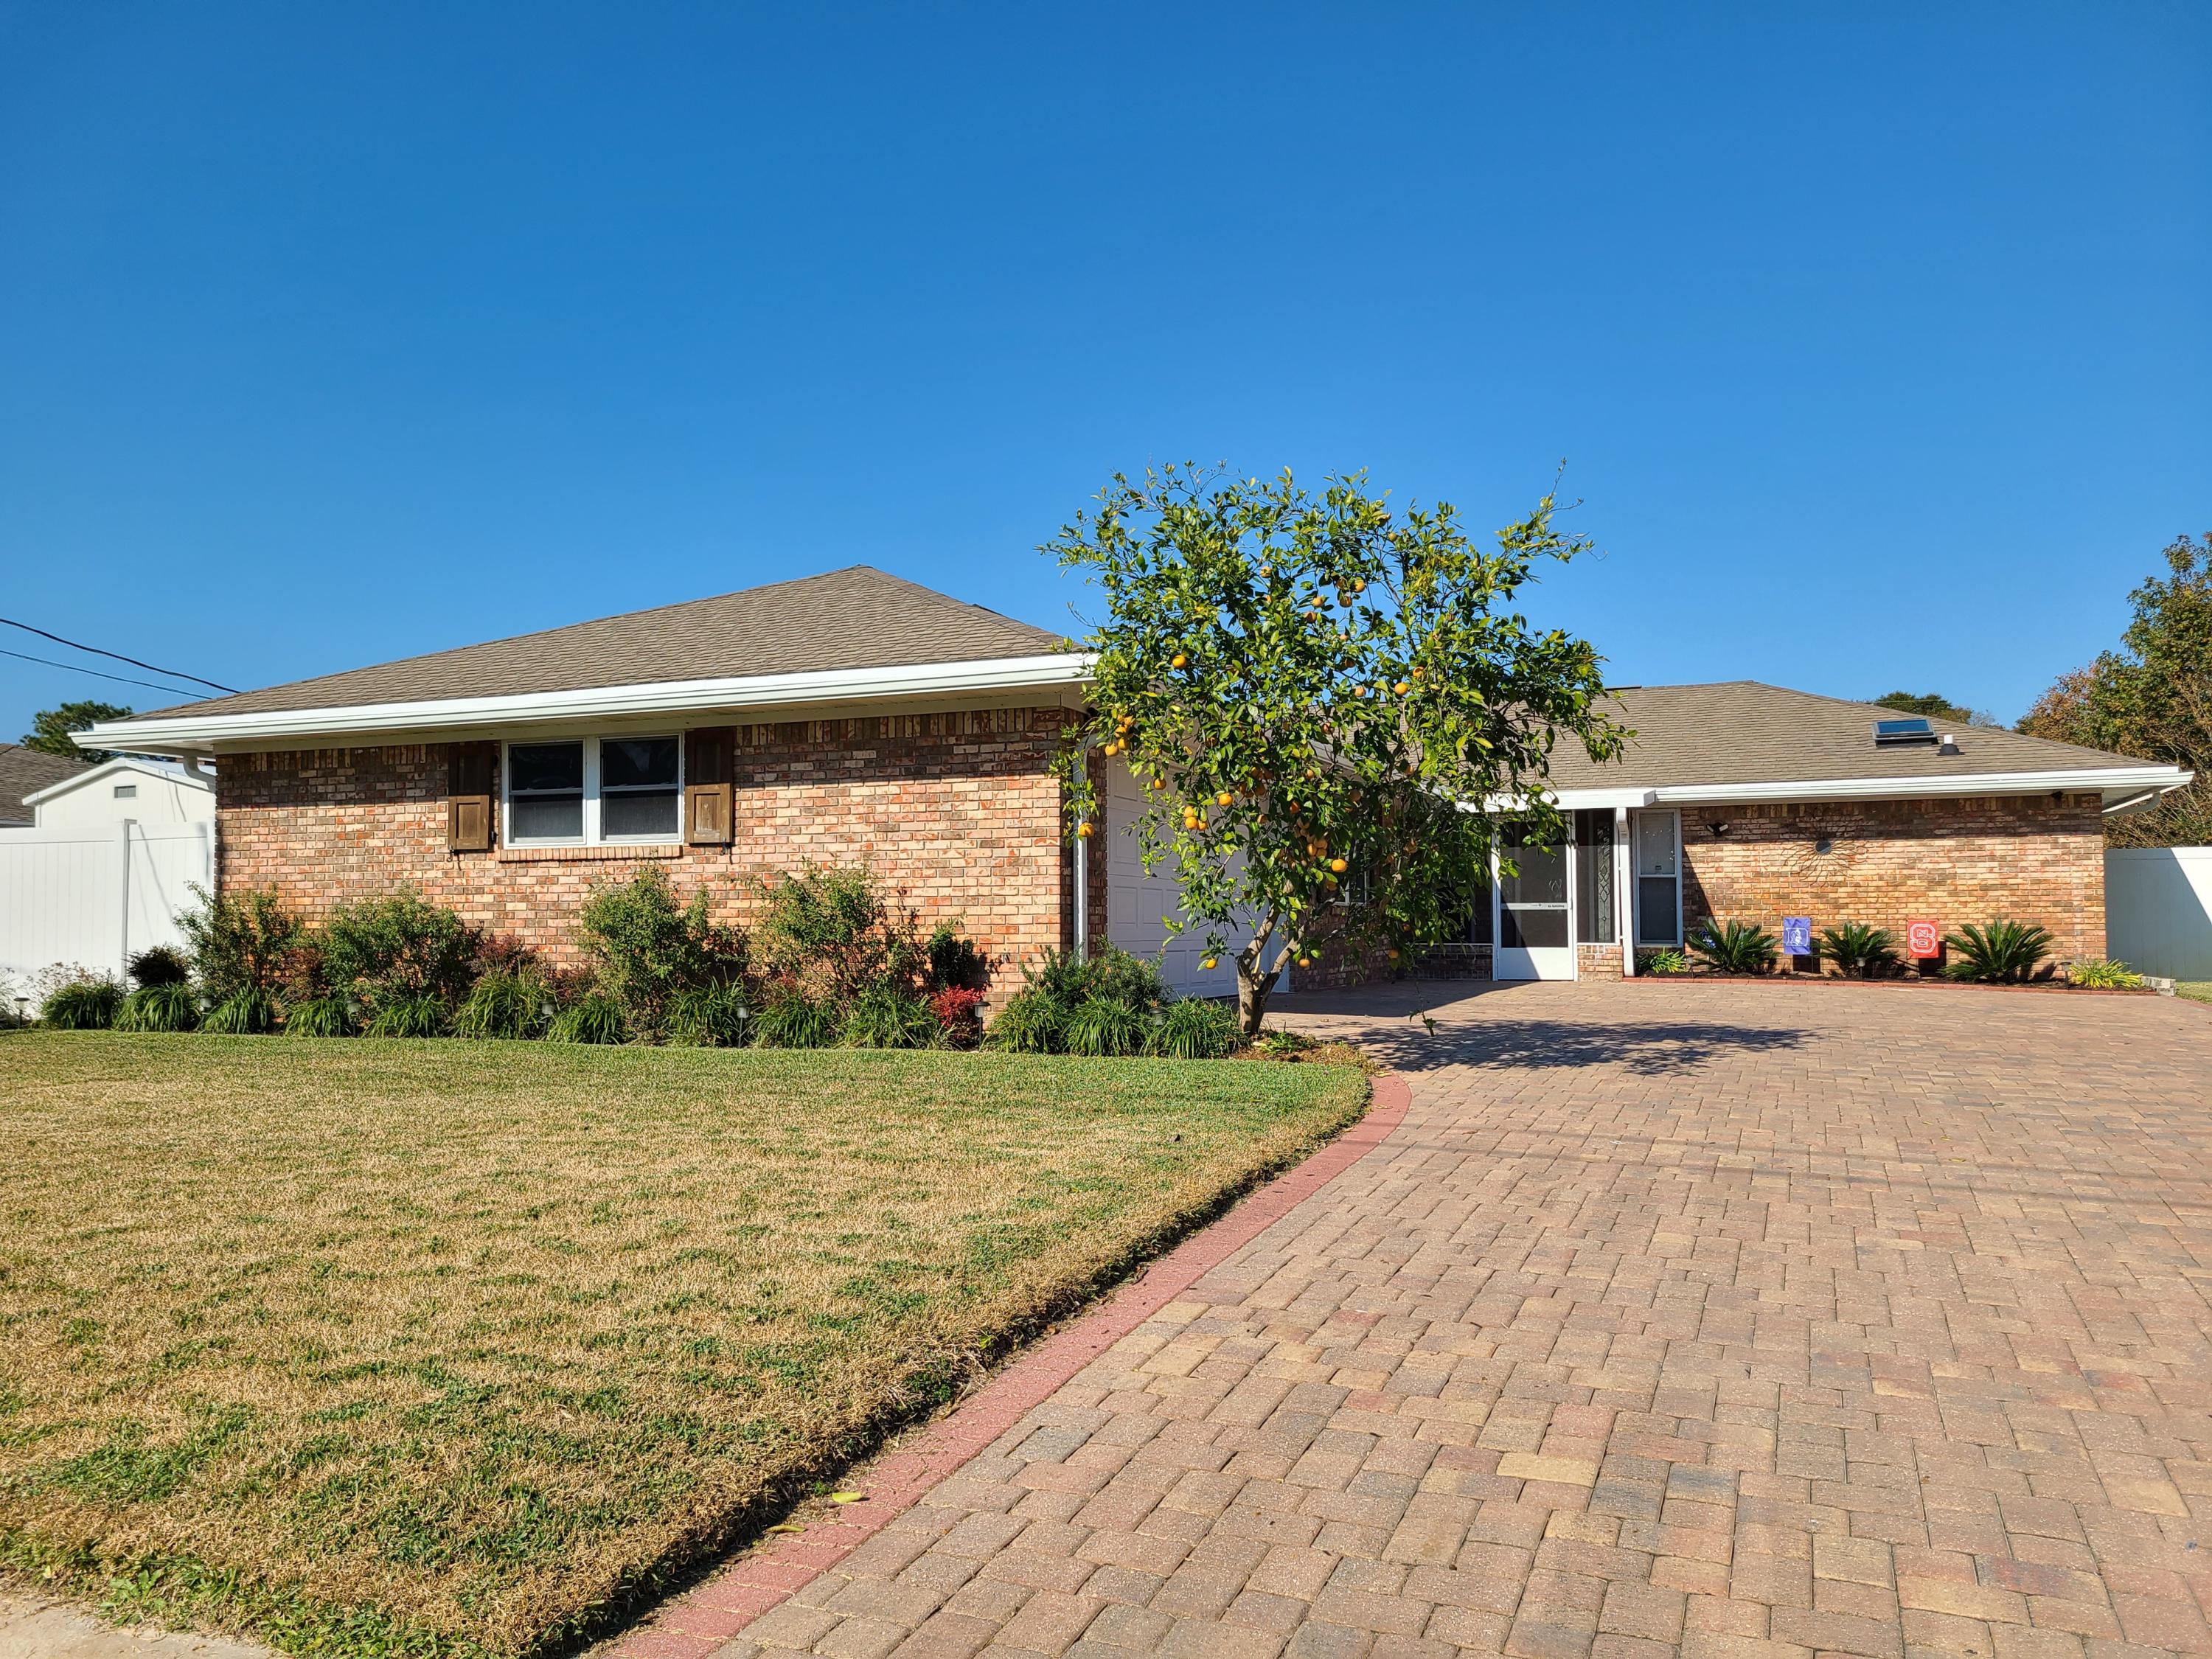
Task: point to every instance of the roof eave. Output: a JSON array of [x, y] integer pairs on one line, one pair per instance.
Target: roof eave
[[186, 733], [2112, 782]]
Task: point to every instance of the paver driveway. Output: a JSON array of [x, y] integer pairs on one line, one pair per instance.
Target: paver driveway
[[1749, 1321]]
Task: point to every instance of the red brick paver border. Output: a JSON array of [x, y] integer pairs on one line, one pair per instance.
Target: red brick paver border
[[704, 1617]]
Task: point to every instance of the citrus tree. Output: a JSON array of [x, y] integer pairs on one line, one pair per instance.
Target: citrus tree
[[1320, 696]]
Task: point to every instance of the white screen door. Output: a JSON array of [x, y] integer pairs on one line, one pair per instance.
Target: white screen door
[[1535, 913]]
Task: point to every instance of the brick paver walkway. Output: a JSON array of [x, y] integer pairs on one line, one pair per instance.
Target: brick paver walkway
[[1742, 1322]]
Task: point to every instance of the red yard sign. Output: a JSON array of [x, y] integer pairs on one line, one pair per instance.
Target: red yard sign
[[1924, 939]]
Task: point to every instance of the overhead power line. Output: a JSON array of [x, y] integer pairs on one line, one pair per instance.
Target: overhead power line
[[98, 651], [173, 691]]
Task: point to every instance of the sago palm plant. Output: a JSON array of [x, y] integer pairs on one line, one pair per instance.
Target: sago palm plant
[[1858, 948], [2000, 952]]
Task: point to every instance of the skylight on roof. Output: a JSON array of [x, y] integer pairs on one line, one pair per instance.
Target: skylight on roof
[[1913, 730]]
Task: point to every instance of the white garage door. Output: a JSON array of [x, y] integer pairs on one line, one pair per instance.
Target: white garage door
[[1138, 905]]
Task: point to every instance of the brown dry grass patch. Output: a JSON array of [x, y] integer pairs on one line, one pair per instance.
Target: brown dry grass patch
[[467, 1346]]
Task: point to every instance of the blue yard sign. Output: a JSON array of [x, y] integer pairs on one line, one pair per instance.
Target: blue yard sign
[[1797, 936]]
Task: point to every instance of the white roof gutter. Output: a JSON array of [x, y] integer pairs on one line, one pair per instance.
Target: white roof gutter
[[189, 733], [2136, 783], [2107, 780]]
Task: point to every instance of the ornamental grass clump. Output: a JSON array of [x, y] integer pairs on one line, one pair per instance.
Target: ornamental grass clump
[[791, 1020], [164, 999], [509, 1003], [2103, 974], [84, 1002], [709, 1016], [1193, 1028], [1105, 1025], [889, 1016], [594, 1017]]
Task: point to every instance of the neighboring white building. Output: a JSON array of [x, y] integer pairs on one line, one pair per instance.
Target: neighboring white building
[[154, 793], [105, 868]]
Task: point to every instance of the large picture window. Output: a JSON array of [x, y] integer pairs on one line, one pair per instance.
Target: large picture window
[[583, 791]]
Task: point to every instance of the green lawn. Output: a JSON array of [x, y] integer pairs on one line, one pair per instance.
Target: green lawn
[[451, 1348], [2199, 990]]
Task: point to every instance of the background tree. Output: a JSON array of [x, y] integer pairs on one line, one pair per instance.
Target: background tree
[[1935, 706], [50, 728], [1311, 690], [2151, 698]]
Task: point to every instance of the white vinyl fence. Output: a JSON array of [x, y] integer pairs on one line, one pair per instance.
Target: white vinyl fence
[[2157, 909], [92, 899]]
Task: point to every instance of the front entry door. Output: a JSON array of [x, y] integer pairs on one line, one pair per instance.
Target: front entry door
[[1536, 918]]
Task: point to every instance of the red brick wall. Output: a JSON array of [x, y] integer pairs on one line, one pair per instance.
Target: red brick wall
[[958, 813], [2031, 858]]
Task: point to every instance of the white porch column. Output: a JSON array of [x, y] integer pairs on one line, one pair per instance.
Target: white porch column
[[1624, 897]]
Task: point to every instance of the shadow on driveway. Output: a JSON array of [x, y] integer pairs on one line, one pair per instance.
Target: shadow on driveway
[[1465, 1033]]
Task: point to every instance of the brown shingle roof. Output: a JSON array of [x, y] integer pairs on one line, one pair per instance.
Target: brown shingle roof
[[25, 772], [1744, 732], [857, 617]]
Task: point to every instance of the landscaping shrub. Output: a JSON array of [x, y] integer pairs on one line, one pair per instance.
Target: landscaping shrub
[[1662, 962], [1102, 1024], [246, 1012], [888, 1016], [170, 1006], [594, 1018], [326, 1015], [1733, 947], [791, 1020], [1031, 1023], [391, 954], [827, 932], [83, 1002], [2103, 974], [239, 944], [504, 1002], [954, 963], [1196, 1029], [709, 1016], [1999, 952], [159, 964], [959, 1013], [648, 949], [1857, 948]]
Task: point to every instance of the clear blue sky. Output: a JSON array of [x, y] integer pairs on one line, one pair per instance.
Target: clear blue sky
[[1877, 339]]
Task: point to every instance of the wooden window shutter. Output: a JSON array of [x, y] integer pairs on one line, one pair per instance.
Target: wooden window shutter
[[709, 786], [468, 797]]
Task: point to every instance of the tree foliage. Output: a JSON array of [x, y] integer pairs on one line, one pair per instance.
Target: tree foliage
[[2151, 697], [1311, 690], [51, 728]]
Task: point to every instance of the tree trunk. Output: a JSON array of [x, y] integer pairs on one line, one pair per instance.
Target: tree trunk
[[1254, 987]]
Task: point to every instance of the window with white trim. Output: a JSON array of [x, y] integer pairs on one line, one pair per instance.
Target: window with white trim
[[1658, 877], [591, 791]]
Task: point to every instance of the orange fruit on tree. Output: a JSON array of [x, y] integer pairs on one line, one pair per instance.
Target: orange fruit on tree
[[1179, 660], [1209, 963], [1339, 865]]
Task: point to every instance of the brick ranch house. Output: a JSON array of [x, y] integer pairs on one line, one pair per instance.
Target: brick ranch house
[[856, 718]]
